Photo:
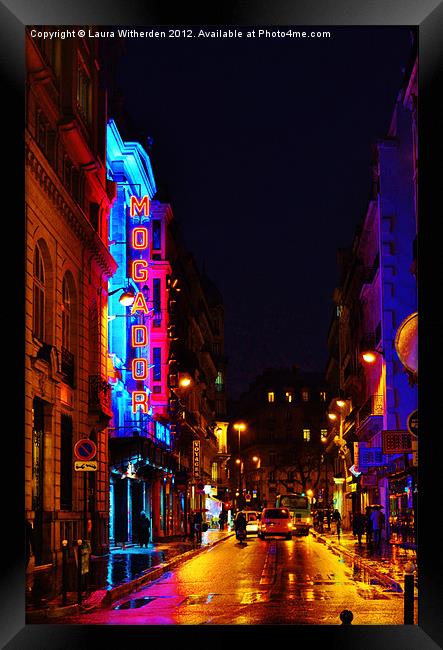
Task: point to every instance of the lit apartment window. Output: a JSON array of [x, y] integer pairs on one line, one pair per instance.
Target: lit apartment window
[[156, 354], [323, 433], [289, 396], [271, 396], [307, 434], [219, 382], [305, 395], [323, 396]]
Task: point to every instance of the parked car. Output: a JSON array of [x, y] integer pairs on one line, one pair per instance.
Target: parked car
[[275, 521], [252, 521]]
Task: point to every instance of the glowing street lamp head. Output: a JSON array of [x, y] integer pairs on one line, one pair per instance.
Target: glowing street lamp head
[[369, 357], [185, 382], [323, 438], [332, 416], [240, 426], [340, 402], [238, 461], [127, 298], [255, 459]]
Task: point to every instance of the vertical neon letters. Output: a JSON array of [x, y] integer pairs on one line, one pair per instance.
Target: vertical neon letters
[[139, 273]]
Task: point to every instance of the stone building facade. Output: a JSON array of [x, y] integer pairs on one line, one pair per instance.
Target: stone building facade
[[68, 266]]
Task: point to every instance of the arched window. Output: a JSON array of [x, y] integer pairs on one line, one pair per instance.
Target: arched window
[[66, 316], [38, 321]]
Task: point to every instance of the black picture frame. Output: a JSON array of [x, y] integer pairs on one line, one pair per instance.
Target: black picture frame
[[428, 16]]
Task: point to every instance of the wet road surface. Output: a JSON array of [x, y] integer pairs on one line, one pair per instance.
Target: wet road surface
[[270, 581]]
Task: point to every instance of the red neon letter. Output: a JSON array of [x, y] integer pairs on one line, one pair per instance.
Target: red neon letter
[[142, 275], [139, 369], [142, 206], [139, 304], [143, 242], [139, 335], [143, 401]]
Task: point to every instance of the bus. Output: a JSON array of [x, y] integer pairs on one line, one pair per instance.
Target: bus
[[300, 508]]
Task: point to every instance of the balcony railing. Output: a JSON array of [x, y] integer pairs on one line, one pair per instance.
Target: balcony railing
[[372, 406]]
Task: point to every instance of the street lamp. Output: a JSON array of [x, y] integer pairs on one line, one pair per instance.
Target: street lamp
[[370, 355], [127, 298], [239, 426]]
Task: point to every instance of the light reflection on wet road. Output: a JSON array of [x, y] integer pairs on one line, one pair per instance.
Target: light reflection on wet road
[[264, 582]]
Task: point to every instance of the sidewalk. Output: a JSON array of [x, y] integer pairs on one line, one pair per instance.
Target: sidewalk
[[388, 563], [122, 571]]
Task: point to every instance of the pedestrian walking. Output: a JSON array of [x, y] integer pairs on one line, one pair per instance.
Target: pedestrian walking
[[336, 516], [198, 522], [222, 520], [377, 518], [369, 531], [144, 530], [359, 525]]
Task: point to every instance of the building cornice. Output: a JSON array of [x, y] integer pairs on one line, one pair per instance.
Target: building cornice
[[73, 216]]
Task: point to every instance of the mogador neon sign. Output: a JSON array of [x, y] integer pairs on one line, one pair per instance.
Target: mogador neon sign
[[139, 274]]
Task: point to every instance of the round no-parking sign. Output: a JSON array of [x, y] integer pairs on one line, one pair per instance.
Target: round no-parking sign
[[85, 449]]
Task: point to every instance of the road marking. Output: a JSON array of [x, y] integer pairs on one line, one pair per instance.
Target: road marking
[[268, 573], [255, 597]]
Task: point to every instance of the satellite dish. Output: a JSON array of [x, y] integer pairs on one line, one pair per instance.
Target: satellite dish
[[406, 343]]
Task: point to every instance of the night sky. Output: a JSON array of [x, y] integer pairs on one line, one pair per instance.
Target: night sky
[[264, 150]]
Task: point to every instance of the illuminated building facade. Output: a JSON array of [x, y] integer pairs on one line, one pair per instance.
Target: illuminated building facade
[[68, 265], [281, 448], [377, 294], [141, 445], [198, 411]]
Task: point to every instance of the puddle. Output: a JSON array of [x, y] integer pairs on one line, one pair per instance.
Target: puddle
[[135, 603]]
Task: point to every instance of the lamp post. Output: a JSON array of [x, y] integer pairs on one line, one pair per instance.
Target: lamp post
[[341, 402], [239, 426]]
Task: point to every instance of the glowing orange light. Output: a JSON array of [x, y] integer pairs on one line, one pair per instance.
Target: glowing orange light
[[139, 304], [369, 357], [332, 416], [139, 335], [185, 382], [140, 399], [140, 238], [141, 206], [139, 272], [126, 299], [340, 403]]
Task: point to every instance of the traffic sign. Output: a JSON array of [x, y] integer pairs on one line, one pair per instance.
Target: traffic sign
[[413, 422], [85, 465], [85, 449]]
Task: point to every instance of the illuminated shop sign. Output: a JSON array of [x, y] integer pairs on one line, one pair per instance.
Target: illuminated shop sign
[[139, 274], [162, 433], [196, 458]]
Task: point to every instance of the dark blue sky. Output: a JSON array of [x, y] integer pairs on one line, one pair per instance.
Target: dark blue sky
[[264, 147]]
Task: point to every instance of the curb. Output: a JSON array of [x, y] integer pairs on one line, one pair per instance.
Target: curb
[[112, 595], [337, 548], [107, 597]]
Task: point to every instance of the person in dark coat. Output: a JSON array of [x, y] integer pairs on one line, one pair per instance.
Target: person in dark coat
[[144, 529], [359, 525], [369, 531], [198, 522]]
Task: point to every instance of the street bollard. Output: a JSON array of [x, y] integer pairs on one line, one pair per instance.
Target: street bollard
[[408, 602], [346, 617], [64, 571], [79, 572]]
